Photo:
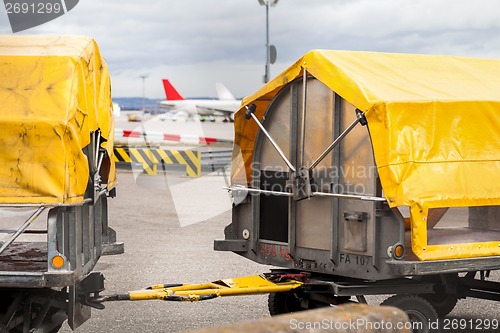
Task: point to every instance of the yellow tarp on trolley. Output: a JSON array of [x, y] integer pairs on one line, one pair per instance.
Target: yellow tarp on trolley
[[54, 92], [434, 123]]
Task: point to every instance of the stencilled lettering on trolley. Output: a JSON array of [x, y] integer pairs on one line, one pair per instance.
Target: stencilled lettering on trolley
[[353, 259], [274, 250]]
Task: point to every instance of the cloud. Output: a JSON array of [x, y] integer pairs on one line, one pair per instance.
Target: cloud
[[200, 42], [443, 27]]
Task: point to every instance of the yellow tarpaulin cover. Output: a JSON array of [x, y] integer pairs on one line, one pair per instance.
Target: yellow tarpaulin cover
[[54, 92], [434, 125]]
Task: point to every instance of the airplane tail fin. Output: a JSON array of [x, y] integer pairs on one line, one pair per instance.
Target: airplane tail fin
[[170, 92], [223, 93]]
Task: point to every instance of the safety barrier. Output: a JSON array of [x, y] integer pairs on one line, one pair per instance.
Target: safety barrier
[[215, 160], [159, 137], [150, 157]]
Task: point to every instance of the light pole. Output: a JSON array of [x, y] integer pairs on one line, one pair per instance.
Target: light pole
[[270, 49], [143, 77]]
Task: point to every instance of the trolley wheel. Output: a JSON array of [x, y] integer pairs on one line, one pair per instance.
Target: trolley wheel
[[283, 302], [443, 302], [418, 309]]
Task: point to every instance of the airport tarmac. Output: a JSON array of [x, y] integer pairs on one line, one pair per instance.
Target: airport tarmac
[[158, 249]]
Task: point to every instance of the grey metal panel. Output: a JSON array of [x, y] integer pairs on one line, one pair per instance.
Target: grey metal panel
[[278, 125], [357, 171], [318, 122], [324, 233], [313, 223], [313, 220], [77, 312], [357, 175], [235, 245]]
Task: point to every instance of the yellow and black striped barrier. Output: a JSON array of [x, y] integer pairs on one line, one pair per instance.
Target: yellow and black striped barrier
[[150, 157]]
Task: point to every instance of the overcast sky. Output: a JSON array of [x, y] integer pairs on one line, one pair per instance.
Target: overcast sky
[[196, 43]]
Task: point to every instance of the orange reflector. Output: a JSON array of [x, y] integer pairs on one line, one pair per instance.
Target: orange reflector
[[57, 261], [399, 251]]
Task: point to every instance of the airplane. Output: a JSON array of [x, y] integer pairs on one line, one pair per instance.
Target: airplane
[[225, 106], [116, 109]]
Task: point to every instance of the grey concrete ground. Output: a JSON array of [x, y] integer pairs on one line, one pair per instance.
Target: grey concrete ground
[[159, 250]]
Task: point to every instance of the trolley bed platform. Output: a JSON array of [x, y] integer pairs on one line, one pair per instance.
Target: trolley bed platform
[[412, 266], [24, 265], [25, 256], [415, 267]]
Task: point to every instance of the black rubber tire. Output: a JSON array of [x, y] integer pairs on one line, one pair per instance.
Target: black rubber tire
[[284, 302], [418, 310], [442, 302]]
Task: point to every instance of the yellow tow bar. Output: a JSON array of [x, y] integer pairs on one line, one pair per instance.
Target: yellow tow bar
[[245, 285]]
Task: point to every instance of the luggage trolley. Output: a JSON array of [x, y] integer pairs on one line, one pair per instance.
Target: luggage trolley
[[361, 173], [56, 143], [373, 173]]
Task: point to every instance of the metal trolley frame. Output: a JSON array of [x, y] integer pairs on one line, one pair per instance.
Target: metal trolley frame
[[322, 211], [43, 283]]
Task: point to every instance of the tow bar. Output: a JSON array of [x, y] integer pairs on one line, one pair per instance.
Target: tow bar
[[245, 285]]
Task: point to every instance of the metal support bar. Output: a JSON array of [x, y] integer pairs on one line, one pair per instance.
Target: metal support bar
[[360, 118], [381, 288], [22, 228], [99, 164], [250, 114], [37, 323], [97, 145], [255, 190], [303, 127], [11, 310], [361, 299], [482, 295], [53, 248], [320, 194], [349, 196]]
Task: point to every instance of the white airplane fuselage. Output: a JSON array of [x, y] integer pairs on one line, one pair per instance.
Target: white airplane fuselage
[[203, 106], [225, 106]]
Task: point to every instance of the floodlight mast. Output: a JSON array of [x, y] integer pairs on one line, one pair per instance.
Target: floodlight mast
[[143, 77], [269, 61]]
